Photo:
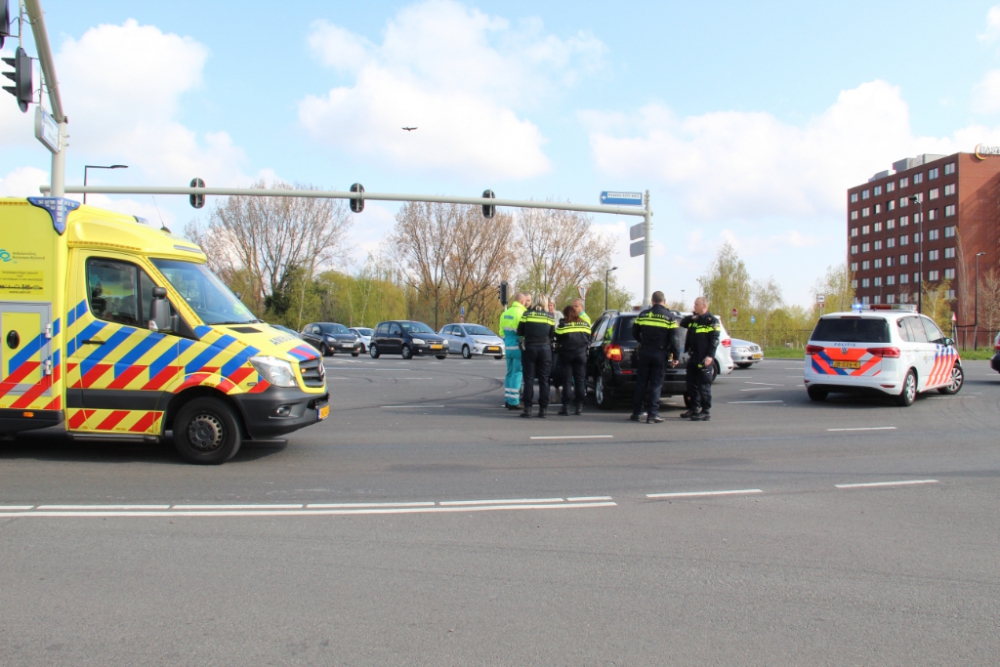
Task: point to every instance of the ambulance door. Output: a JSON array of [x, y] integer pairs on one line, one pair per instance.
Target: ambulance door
[[116, 364], [25, 358]]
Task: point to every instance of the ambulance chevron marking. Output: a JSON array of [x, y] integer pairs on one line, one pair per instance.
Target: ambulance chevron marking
[[240, 374], [34, 392], [54, 404], [112, 420], [133, 355], [91, 376], [14, 379], [162, 378], [241, 358], [146, 422], [26, 352], [77, 418], [125, 379], [169, 356], [213, 350]]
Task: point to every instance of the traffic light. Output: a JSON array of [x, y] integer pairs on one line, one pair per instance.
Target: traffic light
[[503, 293], [358, 205], [21, 76], [488, 209], [197, 201], [4, 21]]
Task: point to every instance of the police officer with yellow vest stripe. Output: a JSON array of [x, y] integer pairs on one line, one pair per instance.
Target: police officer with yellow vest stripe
[[538, 329], [701, 343], [509, 320], [572, 341], [654, 330]]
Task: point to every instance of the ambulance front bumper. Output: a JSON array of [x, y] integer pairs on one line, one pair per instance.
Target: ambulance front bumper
[[279, 411]]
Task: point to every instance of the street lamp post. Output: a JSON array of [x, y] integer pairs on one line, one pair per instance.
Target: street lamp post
[[975, 339], [97, 166], [606, 274], [916, 199]]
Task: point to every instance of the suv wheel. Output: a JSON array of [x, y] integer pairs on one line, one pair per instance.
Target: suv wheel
[[955, 382], [909, 391], [373, 351], [603, 395], [817, 393], [407, 352]]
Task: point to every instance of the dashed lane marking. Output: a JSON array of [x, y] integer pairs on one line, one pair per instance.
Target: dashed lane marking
[[766, 384], [412, 406], [571, 437], [864, 428], [906, 482], [698, 494], [738, 402]]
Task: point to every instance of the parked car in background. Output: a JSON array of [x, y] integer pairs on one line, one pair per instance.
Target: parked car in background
[[745, 354], [330, 337], [995, 361], [407, 338], [365, 334], [469, 339], [611, 362]]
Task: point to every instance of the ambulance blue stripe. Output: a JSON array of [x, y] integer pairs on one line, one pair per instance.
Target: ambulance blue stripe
[[28, 351], [110, 345], [136, 352], [56, 328], [70, 318], [168, 356], [213, 350], [238, 361], [71, 346], [202, 331], [81, 309]]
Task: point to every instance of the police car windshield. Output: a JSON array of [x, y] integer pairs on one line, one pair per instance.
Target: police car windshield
[[207, 296], [478, 330], [852, 330]]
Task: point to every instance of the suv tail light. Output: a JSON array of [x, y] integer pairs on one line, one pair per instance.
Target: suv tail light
[[613, 352], [814, 349], [727, 342], [888, 352]]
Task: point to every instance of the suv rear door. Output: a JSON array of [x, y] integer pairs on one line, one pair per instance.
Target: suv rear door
[[849, 345]]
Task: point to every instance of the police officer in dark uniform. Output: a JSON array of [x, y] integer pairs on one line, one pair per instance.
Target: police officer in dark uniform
[[537, 326], [701, 343], [572, 340], [654, 330]]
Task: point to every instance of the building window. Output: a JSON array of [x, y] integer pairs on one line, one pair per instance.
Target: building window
[[904, 221], [865, 282], [933, 255], [890, 298], [865, 212], [933, 173], [865, 194], [903, 259], [949, 169], [890, 280], [949, 232], [918, 178], [934, 193], [854, 197], [854, 250], [949, 210], [878, 298], [865, 247], [890, 205], [864, 300], [904, 239], [854, 267], [877, 227], [854, 232], [878, 245], [933, 276], [904, 298], [916, 278], [949, 274], [916, 258], [916, 237], [877, 191], [854, 215], [890, 242], [949, 253], [878, 208], [878, 281], [903, 182], [878, 263], [854, 284], [888, 260], [932, 234], [932, 214], [904, 278], [865, 265], [865, 229], [949, 294], [890, 186], [949, 190], [890, 223]]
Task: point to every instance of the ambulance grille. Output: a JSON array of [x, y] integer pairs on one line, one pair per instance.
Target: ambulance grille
[[313, 373]]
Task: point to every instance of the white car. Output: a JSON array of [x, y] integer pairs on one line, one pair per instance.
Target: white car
[[472, 339], [887, 350], [365, 334], [745, 353]]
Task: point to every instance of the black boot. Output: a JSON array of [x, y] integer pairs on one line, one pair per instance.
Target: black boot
[[526, 413], [563, 412], [702, 416], [654, 419], [579, 410], [690, 413], [541, 413]]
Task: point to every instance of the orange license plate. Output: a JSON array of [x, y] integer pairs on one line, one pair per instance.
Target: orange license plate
[[324, 412]]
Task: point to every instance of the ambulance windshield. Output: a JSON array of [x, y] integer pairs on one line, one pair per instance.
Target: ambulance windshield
[[204, 292]]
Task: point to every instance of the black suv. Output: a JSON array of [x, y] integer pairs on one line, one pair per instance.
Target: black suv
[[407, 338], [611, 363], [330, 337]]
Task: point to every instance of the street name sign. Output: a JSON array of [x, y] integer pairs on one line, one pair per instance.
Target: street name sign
[[613, 197]]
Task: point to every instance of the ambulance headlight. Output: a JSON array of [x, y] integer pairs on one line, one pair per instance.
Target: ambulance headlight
[[276, 371]]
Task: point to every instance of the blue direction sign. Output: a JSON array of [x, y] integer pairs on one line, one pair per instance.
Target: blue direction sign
[[621, 198]]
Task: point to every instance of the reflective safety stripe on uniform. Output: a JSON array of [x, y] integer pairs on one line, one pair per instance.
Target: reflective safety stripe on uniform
[[573, 327], [656, 320]]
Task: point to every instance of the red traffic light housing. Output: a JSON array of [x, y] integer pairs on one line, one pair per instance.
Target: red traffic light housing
[[21, 76]]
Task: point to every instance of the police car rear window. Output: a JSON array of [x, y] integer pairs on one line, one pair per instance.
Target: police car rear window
[[852, 330]]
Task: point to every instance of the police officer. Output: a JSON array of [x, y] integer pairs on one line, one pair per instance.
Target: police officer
[[572, 340], [654, 330], [537, 326], [700, 345], [509, 320]]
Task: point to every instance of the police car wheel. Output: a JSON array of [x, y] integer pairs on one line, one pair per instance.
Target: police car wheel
[[373, 351], [955, 382], [909, 392], [206, 432], [817, 393], [407, 352], [466, 352]]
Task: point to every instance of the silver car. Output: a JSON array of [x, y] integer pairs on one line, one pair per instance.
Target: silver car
[[470, 339], [745, 353], [365, 334]]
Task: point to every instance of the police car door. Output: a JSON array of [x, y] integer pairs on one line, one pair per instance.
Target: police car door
[[944, 356], [921, 350]]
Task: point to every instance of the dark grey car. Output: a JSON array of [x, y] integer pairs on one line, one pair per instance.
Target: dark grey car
[[330, 337]]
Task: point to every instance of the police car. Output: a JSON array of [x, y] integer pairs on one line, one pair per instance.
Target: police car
[[881, 350]]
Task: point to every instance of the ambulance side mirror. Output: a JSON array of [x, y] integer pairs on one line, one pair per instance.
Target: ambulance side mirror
[[159, 312]]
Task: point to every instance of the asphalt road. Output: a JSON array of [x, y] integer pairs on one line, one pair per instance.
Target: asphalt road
[[423, 524]]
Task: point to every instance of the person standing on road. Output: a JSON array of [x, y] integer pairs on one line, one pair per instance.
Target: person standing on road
[[701, 343], [579, 306], [572, 340], [654, 330], [509, 320], [538, 329]]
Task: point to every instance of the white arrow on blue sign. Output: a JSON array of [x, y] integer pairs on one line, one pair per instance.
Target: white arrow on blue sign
[[612, 197]]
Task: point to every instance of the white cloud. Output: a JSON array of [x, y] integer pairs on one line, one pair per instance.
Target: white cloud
[[738, 165], [458, 75], [23, 182], [992, 25]]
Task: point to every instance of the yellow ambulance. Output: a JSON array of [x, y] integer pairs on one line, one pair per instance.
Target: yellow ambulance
[[116, 329]]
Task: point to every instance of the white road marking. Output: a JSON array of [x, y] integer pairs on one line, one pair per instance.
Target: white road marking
[[518, 501], [330, 506], [237, 507], [865, 428], [73, 508], [6, 508], [570, 437], [735, 402], [412, 406], [757, 389], [766, 384], [696, 494], [586, 499], [900, 483]]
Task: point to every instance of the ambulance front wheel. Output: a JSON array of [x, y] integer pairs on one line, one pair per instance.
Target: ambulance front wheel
[[206, 432]]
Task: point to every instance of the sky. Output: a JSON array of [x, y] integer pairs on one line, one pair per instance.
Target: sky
[[746, 122]]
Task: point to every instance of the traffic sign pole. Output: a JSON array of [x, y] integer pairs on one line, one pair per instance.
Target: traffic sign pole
[[647, 283]]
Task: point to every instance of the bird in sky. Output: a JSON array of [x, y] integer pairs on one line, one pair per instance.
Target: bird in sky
[[409, 129]]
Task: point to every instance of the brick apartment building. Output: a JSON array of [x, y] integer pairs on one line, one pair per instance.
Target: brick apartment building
[[960, 203]]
